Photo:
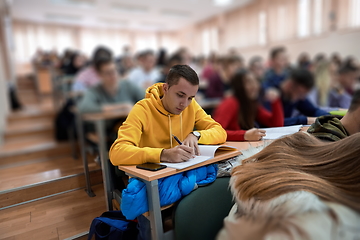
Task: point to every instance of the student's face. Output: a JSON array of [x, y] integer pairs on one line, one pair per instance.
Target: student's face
[[281, 60], [297, 92], [178, 97], [149, 62], [108, 74], [258, 69], [348, 80], [252, 86]]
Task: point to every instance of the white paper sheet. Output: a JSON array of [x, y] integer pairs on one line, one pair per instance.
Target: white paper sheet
[[278, 132], [207, 152]]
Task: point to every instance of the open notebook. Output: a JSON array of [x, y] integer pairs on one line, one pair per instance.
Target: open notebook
[[207, 152]]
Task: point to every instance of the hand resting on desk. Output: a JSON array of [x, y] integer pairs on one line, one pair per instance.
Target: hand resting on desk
[[180, 153]]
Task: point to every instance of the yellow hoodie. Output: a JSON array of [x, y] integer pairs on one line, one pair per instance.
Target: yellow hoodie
[[149, 127]]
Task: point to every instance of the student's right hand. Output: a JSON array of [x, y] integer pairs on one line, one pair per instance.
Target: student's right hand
[[180, 153], [310, 120], [254, 134], [272, 94]]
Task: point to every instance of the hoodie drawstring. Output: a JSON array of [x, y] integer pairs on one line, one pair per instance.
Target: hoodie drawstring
[[170, 128], [181, 131], [170, 132]]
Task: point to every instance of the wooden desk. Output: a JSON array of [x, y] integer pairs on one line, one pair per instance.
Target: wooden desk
[[151, 180], [99, 120], [150, 176]]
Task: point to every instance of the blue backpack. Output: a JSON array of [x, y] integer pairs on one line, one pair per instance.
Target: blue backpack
[[113, 225]]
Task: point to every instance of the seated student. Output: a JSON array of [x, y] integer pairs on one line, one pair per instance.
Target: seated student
[[325, 75], [293, 95], [278, 70], [88, 76], [298, 187], [239, 113], [172, 61], [219, 82], [334, 128], [168, 109], [111, 94], [256, 67], [77, 62], [340, 95], [146, 73]]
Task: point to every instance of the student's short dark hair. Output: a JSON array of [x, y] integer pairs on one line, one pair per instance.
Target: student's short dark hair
[[302, 77], [178, 71], [355, 101], [101, 52], [101, 62], [276, 51], [347, 67]]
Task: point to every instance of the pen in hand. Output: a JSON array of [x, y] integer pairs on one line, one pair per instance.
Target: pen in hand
[[179, 142]]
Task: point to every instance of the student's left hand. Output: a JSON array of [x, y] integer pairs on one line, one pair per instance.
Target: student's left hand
[[192, 141]]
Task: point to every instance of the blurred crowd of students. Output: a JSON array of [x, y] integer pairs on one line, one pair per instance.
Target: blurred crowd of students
[[263, 93]]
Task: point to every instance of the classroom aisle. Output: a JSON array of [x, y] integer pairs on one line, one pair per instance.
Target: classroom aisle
[[42, 192]]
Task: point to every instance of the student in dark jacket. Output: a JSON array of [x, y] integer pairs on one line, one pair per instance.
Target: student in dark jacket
[[294, 91], [334, 128], [278, 71], [240, 113]]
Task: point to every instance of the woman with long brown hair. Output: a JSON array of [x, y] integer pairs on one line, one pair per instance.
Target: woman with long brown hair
[[298, 187], [239, 113]]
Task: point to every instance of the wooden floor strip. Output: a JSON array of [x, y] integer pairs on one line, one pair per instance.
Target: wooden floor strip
[[57, 217]]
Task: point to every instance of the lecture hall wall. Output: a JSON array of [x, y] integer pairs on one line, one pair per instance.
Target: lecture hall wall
[[313, 26]]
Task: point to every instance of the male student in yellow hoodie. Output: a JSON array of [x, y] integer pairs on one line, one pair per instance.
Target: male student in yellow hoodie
[[168, 109]]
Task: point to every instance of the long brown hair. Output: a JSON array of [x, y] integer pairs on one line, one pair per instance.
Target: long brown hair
[[301, 162], [248, 107]]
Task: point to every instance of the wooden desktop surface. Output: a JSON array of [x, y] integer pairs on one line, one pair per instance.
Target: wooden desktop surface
[[153, 175]]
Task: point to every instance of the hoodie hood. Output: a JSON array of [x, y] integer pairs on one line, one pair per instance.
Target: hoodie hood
[[155, 93], [328, 128]]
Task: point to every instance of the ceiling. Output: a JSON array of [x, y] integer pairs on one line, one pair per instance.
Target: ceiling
[[153, 15]]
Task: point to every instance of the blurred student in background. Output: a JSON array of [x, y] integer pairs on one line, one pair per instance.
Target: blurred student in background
[[294, 91], [172, 61], [88, 77], [219, 82], [334, 128], [240, 114], [77, 62], [325, 74], [278, 70], [304, 61], [256, 67], [110, 94], [145, 74], [343, 89]]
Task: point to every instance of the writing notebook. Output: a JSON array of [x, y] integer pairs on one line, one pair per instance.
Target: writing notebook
[[278, 132], [207, 152]]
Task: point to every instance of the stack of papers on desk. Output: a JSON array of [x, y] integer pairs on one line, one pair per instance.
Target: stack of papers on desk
[[278, 132], [207, 152]]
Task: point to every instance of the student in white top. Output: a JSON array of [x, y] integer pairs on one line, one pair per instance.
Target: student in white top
[[145, 74]]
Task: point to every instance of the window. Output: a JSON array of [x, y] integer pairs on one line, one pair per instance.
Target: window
[[354, 14], [303, 18], [262, 28], [206, 42], [281, 23], [214, 43], [317, 15]]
